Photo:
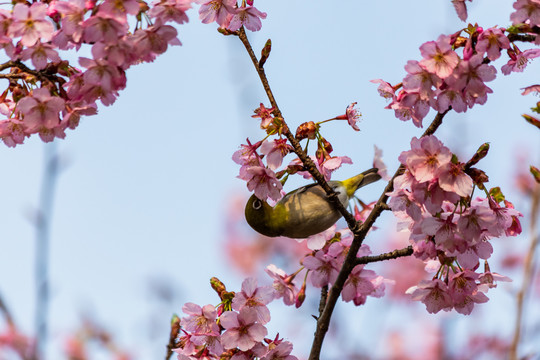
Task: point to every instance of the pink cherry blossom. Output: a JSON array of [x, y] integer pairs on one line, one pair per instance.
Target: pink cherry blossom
[[103, 27], [12, 132], [420, 80], [101, 79], [154, 40], [283, 286], [40, 110], [247, 154], [201, 321], [275, 150], [444, 230], [324, 268], [489, 278], [464, 291], [265, 114], [426, 156], [469, 77], [249, 17], [477, 219], [531, 89], [241, 329], [40, 53], [72, 14], [263, 182], [461, 9], [519, 61], [119, 8], [410, 106], [526, 10], [317, 241], [438, 57], [281, 351], [450, 97], [385, 89], [255, 298], [452, 178], [434, 294], [170, 10], [30, 23], [122, 54], [358, 285], [492, 41], [220, 11], [353, 116], [327, 166]]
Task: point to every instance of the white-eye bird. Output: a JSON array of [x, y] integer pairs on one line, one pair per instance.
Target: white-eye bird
[[305, 211]]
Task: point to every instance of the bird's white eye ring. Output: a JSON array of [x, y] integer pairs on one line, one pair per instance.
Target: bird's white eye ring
[[257, 204]]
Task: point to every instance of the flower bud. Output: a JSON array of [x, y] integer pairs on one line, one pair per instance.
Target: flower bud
[[307, 130]]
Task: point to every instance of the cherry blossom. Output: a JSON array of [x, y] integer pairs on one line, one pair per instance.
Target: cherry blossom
[[41, 110], [438, 57], [30, 24], [241, 329], [249, 17], [255, 298]]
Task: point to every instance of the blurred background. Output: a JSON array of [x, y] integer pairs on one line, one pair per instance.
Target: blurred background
[[147, 193]]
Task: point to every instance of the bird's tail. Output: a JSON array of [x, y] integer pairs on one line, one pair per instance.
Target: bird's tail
[[360, 180]]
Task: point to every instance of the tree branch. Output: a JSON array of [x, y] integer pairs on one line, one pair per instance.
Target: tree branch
[[408, 251]]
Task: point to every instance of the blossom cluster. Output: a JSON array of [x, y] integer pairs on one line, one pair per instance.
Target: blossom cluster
[[323, 266], [443, 79], [234, 330], [228, 15], [433, 199], [46, 94], [262, 179]]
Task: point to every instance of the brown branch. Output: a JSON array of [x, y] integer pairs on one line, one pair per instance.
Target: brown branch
[[521, 37], [408, 251], [42, 75], [322, 301], [528, 270]]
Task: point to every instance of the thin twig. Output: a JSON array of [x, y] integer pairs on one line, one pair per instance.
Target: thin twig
[[528, 270], [386, 256]]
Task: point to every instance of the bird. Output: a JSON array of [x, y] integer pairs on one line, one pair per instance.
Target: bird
[[305, 211]]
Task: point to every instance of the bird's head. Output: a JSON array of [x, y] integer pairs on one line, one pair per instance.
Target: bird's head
[[262, 217]]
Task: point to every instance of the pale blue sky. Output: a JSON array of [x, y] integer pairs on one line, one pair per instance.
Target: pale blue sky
[[148, 179]]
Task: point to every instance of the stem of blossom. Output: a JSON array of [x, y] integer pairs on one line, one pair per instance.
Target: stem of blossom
[[386, 256], [350, 261], [306, 160], [528, 270]]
